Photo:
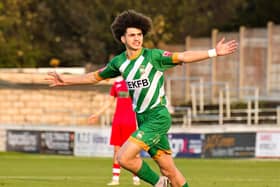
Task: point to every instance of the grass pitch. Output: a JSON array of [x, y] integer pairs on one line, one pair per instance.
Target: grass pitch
[[33, 170]]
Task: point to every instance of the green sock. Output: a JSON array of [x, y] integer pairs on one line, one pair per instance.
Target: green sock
[[185, 185], [147, 174]]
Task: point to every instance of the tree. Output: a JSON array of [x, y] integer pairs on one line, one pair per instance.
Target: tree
[[32, 32], [17, 48]]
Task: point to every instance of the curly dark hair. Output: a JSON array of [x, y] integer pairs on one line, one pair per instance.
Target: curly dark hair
[[130, 18]]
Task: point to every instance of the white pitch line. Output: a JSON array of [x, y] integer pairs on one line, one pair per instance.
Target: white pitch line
[[51, 177], [239, 179]]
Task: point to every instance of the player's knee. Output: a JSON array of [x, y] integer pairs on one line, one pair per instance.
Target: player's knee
[[169, 172], [122, 160], [125, 161], [118, 157]]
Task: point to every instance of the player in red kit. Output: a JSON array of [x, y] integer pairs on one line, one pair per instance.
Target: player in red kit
[[123, 125]]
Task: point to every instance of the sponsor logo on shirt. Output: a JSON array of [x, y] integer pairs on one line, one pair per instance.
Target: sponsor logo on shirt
[[140, 83], [140, 134], [142, 69], [118, 85]]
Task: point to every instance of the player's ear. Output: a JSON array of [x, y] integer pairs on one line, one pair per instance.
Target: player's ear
[[123, 39]]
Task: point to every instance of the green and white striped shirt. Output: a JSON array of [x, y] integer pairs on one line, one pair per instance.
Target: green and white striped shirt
[[143, 75]]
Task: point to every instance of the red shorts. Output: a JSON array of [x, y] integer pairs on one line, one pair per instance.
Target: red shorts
[[121, 132]]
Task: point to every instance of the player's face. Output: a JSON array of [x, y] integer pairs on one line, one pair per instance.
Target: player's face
[[133, 39]]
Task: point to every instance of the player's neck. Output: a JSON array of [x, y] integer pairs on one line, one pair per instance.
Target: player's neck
[[132, 54]]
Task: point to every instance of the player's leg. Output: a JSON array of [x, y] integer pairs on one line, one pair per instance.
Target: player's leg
[[151, 125], [116, 168], [128, 159], [116, 142], [161, 151], [135, 178], [127, 129], [168, 168]]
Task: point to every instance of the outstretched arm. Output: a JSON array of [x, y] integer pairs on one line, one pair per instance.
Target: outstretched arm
[[94, 117], [221, 49], [56, 79]]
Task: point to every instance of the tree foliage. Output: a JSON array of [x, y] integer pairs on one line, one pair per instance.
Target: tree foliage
[[17, 48], [32, 32]]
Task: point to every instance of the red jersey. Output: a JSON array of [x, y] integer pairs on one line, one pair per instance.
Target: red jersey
[[124, 113], [124, 120]]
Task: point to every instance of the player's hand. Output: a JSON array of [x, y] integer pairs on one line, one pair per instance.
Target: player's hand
[[93, 119], [54, 79], [226, 48]]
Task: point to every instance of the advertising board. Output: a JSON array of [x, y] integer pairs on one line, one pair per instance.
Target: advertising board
[[57, 142], [93, 142], [23, 141], [229, 145], [268, 144]]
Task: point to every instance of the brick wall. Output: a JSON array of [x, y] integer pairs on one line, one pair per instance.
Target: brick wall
[[2, 140], [37, 104]]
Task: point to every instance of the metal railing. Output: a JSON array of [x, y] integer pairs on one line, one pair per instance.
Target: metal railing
[[187, 116], [225, 97], [249, 99]]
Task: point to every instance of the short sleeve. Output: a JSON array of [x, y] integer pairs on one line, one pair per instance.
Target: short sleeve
[[164, 60], [109, 71], [113, 90]]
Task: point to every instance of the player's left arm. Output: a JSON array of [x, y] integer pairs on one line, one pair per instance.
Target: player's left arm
[[222, 48], [94, 117]]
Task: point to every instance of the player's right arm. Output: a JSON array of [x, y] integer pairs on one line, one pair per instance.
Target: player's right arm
[[109, 71], [56, 79]]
